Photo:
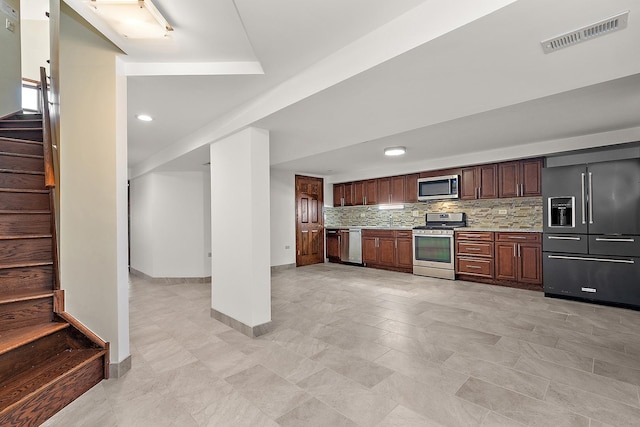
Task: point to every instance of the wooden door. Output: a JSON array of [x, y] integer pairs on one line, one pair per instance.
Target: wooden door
[[530, 263], [488, 175], [397, 189], [468, 187], [309, 220], [508, 179], [387, 251], [531, 179], [371, 192], [333, 245], [405, 252], [505, 261], [411, 188], [369, 250]]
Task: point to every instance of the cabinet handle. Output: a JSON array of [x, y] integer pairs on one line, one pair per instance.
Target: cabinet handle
[[606, 239], [564, 238], [473, 266], [473, 249], [518, 251], [590, 198], [517, 190], [395, 244], [516, 237], [620, 261], [521, 190], [514, 251], [364, 200]]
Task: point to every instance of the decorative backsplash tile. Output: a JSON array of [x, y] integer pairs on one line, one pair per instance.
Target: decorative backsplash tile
[[522, 212]]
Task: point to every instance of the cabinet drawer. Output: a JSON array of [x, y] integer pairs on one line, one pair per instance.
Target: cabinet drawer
[[404, 234], [475, 235], [378, 233], [475, 266], [481, 249], [517, 237]]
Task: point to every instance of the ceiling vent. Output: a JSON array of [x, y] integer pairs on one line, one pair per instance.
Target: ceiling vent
[[601, 28]]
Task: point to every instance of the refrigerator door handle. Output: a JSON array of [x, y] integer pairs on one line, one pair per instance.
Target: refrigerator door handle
[[583, 206], [590, 198], [608, 239], [577, 258]]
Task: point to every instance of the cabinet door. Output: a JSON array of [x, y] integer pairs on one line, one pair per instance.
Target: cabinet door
[[508, 182], [384, 190], [505, 257], [405, 252], [468, 187], [529, 263], [397, 189], [488, 184], [371, 192], [387, 251], [369, 250], [348, 194], [338, 194], [358, 193], [333, 246], [531, 177], [411, 188]]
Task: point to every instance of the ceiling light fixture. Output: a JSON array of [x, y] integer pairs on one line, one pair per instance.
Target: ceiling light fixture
[[395, 151], [133, 19], [144, 117]]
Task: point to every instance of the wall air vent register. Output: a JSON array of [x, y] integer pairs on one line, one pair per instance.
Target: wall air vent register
[[601, 28]]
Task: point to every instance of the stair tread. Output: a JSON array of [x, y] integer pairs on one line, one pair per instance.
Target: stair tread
[[22, 190], [25, 264], [42, 376], [14, 338], [24, 296], [28, 156], [25, 172], [20, 140], [26, 212], [26, 236]]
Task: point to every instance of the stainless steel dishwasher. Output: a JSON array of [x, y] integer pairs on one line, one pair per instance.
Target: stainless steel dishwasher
[[351, 249]]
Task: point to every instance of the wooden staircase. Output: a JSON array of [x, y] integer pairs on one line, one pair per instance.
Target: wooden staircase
[[47, 358]]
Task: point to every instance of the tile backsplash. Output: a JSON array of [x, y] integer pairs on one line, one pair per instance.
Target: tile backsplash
[[521, 212]]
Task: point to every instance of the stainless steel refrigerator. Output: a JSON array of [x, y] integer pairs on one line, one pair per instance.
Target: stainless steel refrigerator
[[591, 240]]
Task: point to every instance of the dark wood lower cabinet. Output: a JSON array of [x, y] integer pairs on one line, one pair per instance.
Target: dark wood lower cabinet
[[502, 258], [333, 245], [388, 249]]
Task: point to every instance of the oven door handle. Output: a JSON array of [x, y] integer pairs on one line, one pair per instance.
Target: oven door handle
[[578, 258]]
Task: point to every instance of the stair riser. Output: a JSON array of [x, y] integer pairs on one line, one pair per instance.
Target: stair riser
[[19, 251], [26, 116], [36, 409], [21, 181], [28, 134], [37, 352], [20, 123], [24, 224], [27, 279], [26, 313], [21, 163], [7, 146], [24, 201]]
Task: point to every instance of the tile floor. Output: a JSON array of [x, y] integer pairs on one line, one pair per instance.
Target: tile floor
[[362, 347]]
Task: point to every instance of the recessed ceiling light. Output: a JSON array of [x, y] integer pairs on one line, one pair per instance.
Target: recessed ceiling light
[[144, 117], [394, 151]]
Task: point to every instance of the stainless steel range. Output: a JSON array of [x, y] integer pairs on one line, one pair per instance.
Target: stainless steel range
[[433, 245]]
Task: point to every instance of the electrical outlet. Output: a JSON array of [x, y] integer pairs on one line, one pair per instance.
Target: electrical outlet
[[502, 211], [362, 215], [10, 25], [415, 213]]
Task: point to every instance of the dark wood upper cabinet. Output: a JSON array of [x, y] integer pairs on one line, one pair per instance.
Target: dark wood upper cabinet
[[384, 190], [348, 194], [411, 188], [338, 195], [397, 189], [521, 178], [479, 182], [371, 192], [358, 193]]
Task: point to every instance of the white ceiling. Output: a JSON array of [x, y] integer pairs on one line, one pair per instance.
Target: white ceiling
[[343, 79]]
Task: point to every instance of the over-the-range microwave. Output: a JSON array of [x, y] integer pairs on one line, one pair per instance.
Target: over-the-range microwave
[[439, 187]]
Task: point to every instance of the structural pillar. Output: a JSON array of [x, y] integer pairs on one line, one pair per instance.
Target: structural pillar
[[240, 232]]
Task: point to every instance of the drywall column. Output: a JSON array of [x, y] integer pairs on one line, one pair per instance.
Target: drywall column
[[240, 232], [93, 184]]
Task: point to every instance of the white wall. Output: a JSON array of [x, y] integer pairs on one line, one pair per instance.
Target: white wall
[[10, 74], [283, 218], [241, 278], [35, 47], [93, 183], [170, 224]]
